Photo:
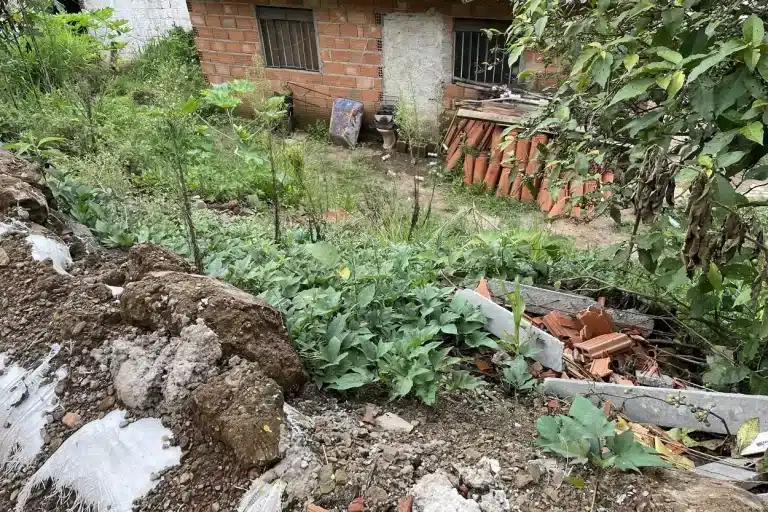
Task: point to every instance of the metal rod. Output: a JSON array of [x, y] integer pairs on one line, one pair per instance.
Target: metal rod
[[477, 56], [461, 66], [282, 47]]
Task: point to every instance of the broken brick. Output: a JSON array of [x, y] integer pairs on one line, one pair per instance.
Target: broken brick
[[601, 367], [316, 508], [405, 504], [562, 326], [605, 345], [357, 505], [482, 289], [596, 322]]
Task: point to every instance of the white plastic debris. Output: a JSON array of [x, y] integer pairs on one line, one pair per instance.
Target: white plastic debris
[[24, 402], [44, 248], [105, 467], [263, 497], [759, 445], [117, 291]]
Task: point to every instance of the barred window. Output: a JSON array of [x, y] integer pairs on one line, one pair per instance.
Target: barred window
[[288, 38], [480, 58]]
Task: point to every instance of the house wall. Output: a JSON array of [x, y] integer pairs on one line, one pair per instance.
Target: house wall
[[148, 19], [352, 65]]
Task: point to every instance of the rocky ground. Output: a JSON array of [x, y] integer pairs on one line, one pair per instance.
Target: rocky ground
[[139, 333]]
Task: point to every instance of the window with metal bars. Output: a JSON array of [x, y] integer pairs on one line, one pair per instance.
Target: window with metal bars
[[288, 38], [479, 58]]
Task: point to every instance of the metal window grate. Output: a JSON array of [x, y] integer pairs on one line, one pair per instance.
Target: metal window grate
[[288, 38], [378, 18], [480, 58]]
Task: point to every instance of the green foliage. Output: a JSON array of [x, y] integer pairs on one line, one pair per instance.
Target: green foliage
[[319, 131], [672, 96], [585, 434], [517, 375]]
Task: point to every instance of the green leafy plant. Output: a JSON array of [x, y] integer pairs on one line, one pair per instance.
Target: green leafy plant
[[586, 435], [40, 150], [517, 376], [673, 97]]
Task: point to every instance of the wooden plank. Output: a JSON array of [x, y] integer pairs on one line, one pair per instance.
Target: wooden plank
[[491, 116]]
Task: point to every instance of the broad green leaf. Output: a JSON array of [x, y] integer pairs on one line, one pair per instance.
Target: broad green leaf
[[724, 193], [601, 69], [591, 418], [350, 381], [727, 159], [747, 433], [366, 296], [727, 49], [762, 67], [630, 61], [670, 55], [753, 131], [539, 26], [715, 277], [190, 106], [629, 455], [644, 121], [675, 84], [718, 143], [751, 57], [514, 54], [576, 481], [324, 252], [582, 60], [663, 80], [757, 173], [633, 89], [753, 30]]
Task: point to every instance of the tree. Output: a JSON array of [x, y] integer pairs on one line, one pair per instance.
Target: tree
[[673, 95]]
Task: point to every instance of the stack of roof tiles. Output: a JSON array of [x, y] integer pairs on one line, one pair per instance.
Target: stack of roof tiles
[[503, 162]]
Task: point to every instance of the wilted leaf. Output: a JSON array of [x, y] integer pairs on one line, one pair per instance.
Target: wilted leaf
[[747, 433]]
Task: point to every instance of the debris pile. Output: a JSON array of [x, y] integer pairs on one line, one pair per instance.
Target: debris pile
[[496, 157]]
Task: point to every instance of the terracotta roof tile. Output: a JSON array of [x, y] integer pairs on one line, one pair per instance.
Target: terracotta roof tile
[[596, 322], [601, 367]]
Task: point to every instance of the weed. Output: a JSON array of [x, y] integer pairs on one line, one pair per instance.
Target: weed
[[585, 434], [319, 131]]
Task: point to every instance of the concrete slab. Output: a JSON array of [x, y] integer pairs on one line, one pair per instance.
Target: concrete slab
[[540, 301], [649, 405], [733, 471], [501, 323]]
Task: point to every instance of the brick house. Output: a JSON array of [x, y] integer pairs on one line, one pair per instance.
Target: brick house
[[370, 50]]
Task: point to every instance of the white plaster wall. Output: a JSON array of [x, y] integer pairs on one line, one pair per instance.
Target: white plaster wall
[[148, 19], [417, 53]]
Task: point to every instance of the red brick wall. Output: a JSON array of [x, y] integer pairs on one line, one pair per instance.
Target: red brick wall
[[228, 39]]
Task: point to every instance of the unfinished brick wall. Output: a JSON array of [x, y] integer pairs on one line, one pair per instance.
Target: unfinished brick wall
[[228, 39]]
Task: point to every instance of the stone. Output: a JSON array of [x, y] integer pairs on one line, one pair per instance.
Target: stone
[[391, 422], [688, 491], [4, 259], [472, 454], [19, 168], [146, 258], [106, 403], [151, 369], [244, 410], [434, 493], [341, 477], [17, 193], [246, 326], [732, 470], [494, 501], [185, 478], [78, 328], [70, 419], [326, 483], [522, 480], [389, 453], [478, 476]]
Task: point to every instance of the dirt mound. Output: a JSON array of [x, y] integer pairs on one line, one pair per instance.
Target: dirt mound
[[146, 258], [246, 326]]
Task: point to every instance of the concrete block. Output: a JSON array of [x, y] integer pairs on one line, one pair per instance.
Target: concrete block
[[733, 471], [540, 301], [643, 404], [501, 323]]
